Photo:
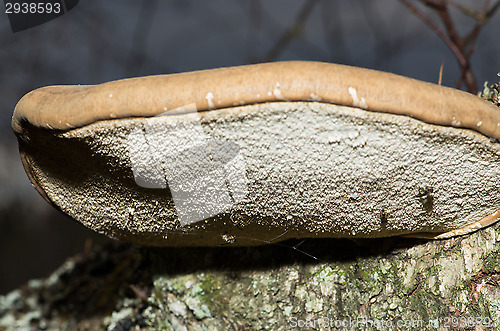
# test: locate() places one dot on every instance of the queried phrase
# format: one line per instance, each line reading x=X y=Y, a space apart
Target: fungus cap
x=244 y=155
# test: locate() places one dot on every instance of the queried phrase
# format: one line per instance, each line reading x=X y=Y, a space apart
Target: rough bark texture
x=382 y=284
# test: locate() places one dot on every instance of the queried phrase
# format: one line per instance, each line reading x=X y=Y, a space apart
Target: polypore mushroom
x=246 y=155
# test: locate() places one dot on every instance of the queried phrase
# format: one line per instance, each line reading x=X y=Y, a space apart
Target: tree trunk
x=384 y=284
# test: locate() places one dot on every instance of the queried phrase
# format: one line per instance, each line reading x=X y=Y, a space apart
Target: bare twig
x=451 y=39
x=462 y=47
x=440 y=80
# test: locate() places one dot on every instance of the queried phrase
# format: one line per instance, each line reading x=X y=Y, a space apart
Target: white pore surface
x=314 y=167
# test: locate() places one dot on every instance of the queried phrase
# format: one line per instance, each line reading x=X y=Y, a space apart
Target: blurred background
x=98 y=41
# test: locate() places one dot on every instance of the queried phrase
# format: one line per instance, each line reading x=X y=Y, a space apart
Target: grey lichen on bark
x=369 y=284
x=353 y=285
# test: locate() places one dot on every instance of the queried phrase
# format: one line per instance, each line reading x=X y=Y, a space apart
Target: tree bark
x=390 y=283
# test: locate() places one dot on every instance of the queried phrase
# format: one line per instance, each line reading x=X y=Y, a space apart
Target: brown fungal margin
x=68 y=107
x=60 y=109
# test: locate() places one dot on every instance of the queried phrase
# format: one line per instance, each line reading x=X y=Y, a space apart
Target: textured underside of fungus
x=252 y=154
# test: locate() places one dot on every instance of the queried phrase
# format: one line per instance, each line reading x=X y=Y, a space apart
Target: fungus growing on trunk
x=246 y=155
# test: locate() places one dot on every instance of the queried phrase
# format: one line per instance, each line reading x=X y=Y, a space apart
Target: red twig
x=462 y=47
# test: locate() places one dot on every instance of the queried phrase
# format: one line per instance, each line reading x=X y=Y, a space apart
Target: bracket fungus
x=252 y=154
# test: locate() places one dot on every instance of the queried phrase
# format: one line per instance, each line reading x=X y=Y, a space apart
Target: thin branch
x=436 y=29
x=493 y=9
x=440 y=80
x=451 y=38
